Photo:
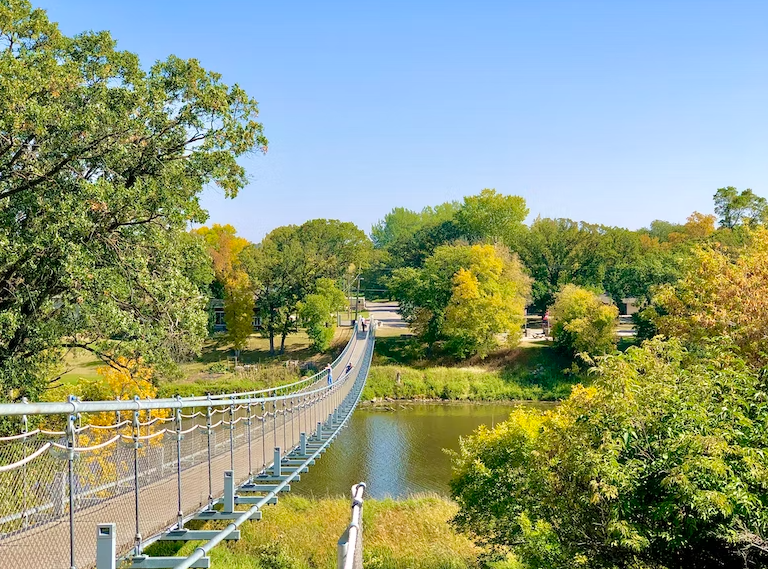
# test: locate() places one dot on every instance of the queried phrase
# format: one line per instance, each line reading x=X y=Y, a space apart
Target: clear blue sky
x=611 y=112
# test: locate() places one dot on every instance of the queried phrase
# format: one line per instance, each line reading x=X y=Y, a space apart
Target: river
x=397 y=452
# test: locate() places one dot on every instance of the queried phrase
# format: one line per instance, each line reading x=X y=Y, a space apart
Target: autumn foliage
x=721 y=296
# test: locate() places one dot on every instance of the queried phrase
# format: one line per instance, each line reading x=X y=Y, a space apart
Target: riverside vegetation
x=299 y=533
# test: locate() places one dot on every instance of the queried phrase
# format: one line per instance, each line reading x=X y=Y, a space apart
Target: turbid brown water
x=400 y=451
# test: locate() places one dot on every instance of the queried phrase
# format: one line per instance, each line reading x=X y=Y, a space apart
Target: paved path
x=387 y=314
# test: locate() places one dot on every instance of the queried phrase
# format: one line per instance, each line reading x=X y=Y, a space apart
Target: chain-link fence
x=151 y=467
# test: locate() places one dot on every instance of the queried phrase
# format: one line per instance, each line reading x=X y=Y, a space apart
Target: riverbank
x=533 y=372
x=301 y=533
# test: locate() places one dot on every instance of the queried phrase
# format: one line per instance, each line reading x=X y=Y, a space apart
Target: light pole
x=357 y=298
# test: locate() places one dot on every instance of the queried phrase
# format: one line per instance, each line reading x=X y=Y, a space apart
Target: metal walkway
x=116 y=476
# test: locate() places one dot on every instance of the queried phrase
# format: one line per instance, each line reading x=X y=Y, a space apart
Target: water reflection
x=397 y=452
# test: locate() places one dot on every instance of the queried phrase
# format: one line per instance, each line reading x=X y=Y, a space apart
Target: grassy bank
x=300 y=533
x=532 y=372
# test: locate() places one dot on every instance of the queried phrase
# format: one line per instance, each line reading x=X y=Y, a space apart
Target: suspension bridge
x=92 y=484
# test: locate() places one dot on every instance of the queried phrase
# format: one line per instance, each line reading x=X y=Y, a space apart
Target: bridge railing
x=350 y=545
x=145 y=465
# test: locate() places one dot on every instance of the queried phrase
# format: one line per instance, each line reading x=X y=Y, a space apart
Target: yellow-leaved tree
x=225 y=248
x=721 y=295
x=487 y=302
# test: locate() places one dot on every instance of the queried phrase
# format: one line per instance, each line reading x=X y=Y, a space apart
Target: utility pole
x=357 y=298
x=349 y=293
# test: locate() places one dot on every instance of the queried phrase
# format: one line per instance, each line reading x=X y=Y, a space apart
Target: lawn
x=213 y=372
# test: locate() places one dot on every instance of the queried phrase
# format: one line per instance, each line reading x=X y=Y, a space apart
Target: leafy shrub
x=218 y=367
x=663 y=463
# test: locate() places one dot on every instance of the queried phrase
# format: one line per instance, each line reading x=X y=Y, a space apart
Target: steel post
x=232 y=435
x=208 y=423
x=248 y=423
x=228 y=501
x=71 y=482
x=179 y=437
x=136 y=445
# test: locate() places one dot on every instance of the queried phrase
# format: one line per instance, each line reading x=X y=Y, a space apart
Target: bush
x=663 y=463
x=218 y=367
x=583 y=324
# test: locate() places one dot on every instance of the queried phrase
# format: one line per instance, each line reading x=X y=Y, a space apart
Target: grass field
x=213 y=372
x=300 y=533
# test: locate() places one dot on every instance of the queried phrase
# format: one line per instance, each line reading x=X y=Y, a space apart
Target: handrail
x=74 y=406
x=350 y=545
x=307 y=379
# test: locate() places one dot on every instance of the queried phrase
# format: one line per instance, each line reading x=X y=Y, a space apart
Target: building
x=216 y=309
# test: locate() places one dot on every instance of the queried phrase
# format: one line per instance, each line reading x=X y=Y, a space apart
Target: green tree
x=492 y=216
x=397 y=224
x=635 y=264
x=400 y=224
x=740 y=208
x=101 y=166
x=662 y=463
x=661 y=230
x=316 y=312
x=557 y=252
x=414 y=249
x=288 y=262
x=581 y=323
x=332 y=246
x=278 y=267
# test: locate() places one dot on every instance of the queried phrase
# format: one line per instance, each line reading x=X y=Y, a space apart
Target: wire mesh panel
x=146 y=469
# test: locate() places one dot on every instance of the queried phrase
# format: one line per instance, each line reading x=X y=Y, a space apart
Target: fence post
x=232 y=433
x=263 y=437
x=71 y=478
x=208 y=424
x=24 y=444
x=285 y=434
x=136 y=445
x=229 y=492
x=179 y=437
x=248 y=422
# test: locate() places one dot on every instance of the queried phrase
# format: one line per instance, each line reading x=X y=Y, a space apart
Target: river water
x=397 y=452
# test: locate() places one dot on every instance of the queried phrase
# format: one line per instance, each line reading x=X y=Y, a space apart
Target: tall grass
x=464 y=384
x=300 y=533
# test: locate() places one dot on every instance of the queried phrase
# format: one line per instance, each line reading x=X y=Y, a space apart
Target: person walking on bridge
x=329 y=371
